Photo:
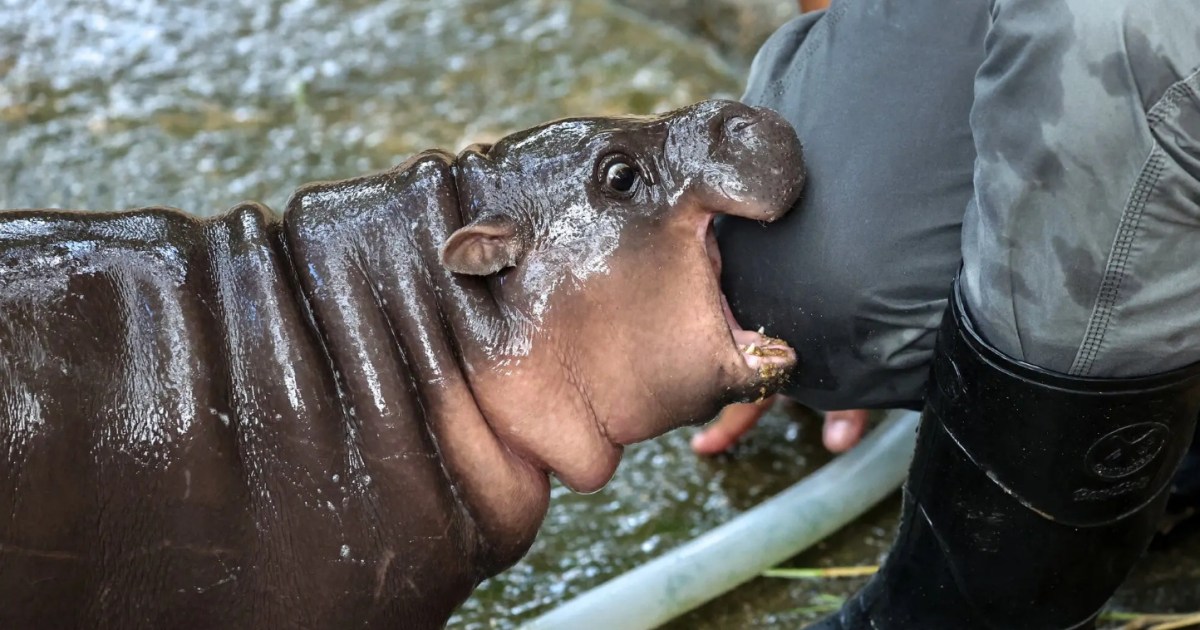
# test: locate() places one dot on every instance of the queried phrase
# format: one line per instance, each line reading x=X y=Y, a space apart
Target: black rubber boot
x=1182 y=519
x=1030 y=495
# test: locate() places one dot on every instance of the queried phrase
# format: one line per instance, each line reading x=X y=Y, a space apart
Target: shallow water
x=201 y=104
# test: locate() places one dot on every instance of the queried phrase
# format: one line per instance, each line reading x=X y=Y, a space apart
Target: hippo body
x=211 y=401
x=346 y=415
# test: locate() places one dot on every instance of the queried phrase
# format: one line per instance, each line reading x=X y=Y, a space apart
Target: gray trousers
x=1050 y=149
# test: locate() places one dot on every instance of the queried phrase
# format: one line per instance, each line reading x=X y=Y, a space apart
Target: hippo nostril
x=736 y=125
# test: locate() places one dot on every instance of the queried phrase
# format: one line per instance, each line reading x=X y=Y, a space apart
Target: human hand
x=842 y=429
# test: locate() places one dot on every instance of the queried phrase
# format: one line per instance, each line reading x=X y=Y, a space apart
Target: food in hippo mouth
x=771 y=357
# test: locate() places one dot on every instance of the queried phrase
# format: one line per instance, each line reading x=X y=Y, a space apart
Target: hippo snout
x=751 y=158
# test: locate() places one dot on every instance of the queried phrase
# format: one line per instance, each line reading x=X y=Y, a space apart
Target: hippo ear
x=483 y=246
x=481 y=148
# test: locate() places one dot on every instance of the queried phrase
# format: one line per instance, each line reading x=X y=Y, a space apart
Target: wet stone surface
x=661 y=497
x=120 y=103
x=735 y=28
x=199 y=105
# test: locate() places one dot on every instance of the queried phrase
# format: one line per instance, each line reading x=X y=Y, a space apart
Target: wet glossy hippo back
x=195 y=436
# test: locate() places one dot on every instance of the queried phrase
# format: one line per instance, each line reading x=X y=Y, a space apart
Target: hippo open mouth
x=594 y=238
x=770 y=358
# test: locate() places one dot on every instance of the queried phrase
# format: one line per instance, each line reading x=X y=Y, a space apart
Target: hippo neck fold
x=396 y=324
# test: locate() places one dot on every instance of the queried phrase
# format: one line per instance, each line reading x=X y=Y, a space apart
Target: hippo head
x=594 y=236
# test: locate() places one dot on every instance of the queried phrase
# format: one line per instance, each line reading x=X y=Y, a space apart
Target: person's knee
x=856 y=277
x=774 y=57
x=862 y=324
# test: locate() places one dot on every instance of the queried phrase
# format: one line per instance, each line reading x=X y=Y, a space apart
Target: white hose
x=741 y=549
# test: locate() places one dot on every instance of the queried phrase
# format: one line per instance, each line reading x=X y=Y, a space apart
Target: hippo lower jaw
x=767 y=359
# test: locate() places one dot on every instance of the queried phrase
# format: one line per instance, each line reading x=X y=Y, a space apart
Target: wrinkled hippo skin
x=346 y=415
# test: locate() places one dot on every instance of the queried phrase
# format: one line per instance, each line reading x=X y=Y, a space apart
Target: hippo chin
x=347 y=415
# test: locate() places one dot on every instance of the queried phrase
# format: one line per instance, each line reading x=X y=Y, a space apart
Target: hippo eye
x=620 y=177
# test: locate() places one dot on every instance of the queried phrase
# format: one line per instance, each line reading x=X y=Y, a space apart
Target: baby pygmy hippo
x=346 y=416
